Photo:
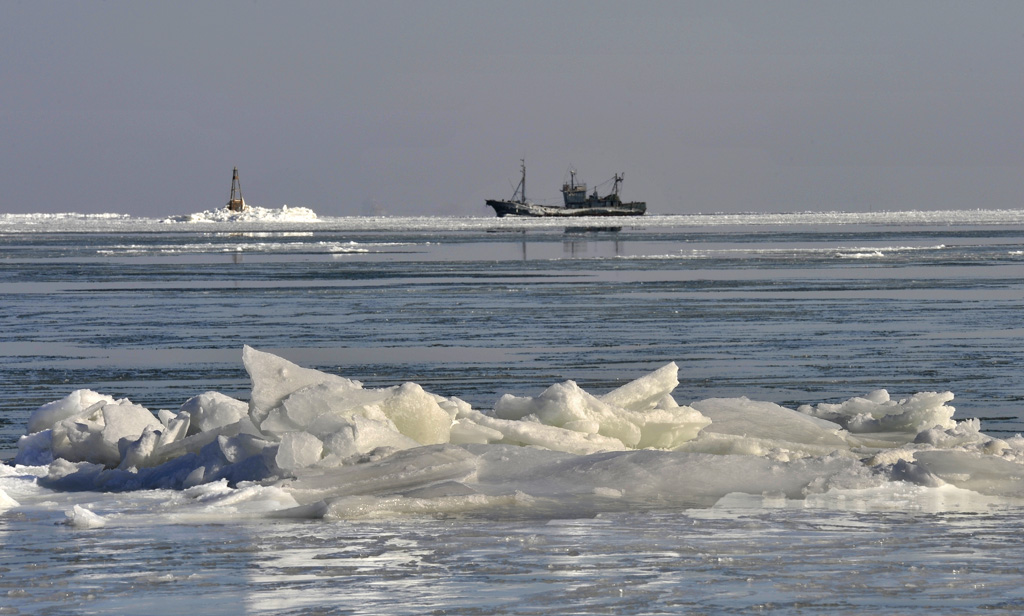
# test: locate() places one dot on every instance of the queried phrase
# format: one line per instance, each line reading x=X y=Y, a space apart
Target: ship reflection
x=576 y=240
x=590 y=230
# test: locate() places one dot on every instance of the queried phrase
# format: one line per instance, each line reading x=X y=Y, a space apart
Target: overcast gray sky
x=426 y=107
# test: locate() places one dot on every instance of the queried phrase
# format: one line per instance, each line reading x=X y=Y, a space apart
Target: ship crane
x=615 y=180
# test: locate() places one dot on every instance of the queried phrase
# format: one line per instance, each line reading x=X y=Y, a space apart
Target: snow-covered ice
x=252 y=213
x=48 y=222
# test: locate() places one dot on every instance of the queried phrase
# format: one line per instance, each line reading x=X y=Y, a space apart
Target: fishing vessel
x=576 y=201
x=235 y=202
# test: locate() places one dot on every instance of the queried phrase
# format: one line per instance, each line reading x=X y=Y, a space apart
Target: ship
x=576 y=201
x=235 y=202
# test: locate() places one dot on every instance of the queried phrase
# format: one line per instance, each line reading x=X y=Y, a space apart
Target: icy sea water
x=795 y=311
x=719 y=561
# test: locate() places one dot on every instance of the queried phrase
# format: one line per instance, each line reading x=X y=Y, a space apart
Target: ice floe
x=313 y=444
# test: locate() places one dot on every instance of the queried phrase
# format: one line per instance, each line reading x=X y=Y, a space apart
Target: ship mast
x=522 y=182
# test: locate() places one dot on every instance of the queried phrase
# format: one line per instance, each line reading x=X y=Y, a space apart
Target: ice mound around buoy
x=313 y=444
x=251 y=213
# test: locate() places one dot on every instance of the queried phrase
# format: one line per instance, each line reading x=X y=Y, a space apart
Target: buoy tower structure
x=235 y=202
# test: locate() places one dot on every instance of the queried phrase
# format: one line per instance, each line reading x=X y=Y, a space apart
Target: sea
x=795 y=310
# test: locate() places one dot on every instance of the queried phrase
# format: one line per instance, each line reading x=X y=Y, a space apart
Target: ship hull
x=518 y=208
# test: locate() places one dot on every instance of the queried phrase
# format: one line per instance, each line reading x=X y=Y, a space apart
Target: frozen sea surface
x=719 y=561
x=799 y=311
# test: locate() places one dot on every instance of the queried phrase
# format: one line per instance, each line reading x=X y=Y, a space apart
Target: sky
x=426 y=107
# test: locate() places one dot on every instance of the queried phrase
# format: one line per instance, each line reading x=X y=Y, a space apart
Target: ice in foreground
x=312 y=444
